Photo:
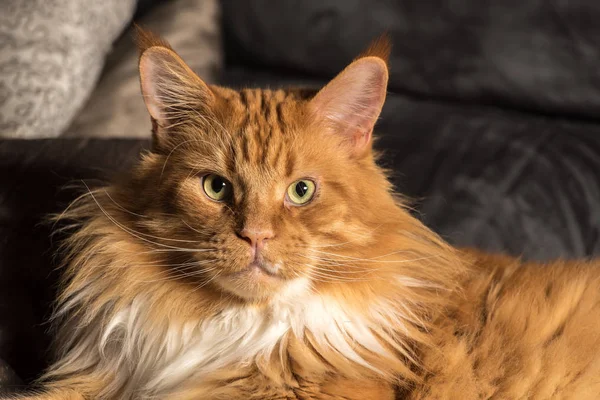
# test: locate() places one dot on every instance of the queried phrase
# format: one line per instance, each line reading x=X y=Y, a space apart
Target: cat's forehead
x=265 y=108
x=263 y=126
x=263 y=114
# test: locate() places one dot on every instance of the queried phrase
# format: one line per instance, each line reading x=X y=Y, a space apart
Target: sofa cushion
x=116 y=107
x=9 y=381
x=527 y=54
x=51 y=53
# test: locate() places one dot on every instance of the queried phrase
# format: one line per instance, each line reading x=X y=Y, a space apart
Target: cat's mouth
x=256 y=268
x=258 y=279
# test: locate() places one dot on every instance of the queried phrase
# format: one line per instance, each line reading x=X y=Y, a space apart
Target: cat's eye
x=216 y=187
x=301 y=192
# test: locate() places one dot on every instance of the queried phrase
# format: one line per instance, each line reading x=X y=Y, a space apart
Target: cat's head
x=268 y=190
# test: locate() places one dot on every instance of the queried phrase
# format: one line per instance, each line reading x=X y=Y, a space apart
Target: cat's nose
x=255 y=237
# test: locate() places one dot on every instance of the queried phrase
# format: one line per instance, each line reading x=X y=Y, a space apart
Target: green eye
x=216 y=187
x=301 y=192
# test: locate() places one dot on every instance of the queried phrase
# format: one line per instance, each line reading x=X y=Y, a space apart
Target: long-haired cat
x=259 y=252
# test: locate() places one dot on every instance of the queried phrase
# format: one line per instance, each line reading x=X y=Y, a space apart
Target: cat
x=258 y=251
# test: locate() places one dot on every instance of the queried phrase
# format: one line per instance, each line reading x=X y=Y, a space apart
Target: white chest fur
x=161 y=358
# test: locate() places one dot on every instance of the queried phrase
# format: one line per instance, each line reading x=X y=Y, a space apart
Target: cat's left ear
x=172 y=91
x=350 y=104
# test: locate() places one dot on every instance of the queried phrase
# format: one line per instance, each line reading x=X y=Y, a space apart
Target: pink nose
x=256 y=238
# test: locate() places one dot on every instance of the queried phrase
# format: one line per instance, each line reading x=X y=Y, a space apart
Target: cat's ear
x=351 y=103
x=171 y=90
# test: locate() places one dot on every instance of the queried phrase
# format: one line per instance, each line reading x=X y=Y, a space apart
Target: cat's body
x=259 y=253
x=521 y=331
x=516 y=331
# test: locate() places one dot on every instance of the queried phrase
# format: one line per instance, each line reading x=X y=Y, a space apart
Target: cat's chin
x=253 y=282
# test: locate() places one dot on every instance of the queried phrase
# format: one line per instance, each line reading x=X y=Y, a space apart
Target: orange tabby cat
x=258 y=252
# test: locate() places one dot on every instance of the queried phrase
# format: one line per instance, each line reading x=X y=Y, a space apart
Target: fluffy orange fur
x=352 y=297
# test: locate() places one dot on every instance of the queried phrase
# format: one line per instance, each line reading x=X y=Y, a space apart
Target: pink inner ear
x=352 y=101
x=169 y=85
x=148 y=76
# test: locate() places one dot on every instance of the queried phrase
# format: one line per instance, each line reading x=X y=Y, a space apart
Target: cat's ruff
x=239 y=335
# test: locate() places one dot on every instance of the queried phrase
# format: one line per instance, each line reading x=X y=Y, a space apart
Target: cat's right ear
x=350 y=104
x=172 y=91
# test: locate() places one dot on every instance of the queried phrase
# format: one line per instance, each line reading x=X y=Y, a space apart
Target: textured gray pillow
x=51 y=53
x=116 y=108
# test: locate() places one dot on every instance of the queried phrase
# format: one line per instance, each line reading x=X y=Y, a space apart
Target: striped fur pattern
x=357 y=299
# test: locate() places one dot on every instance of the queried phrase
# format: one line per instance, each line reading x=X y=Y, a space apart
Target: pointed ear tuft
x=144 y=39
x=172 y=91
x=350 y=104
x=381 y=47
